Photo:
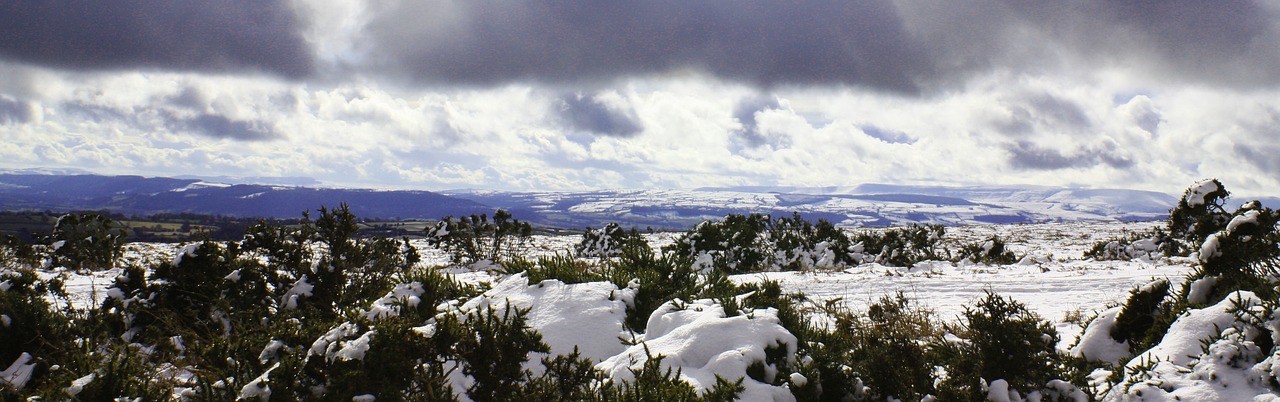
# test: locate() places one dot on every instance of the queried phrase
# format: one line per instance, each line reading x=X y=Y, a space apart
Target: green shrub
x=608 y=241
x=656 y=279
x=991 y=251
x=1144 y=319
x=800 y=244
x=1002 y=340
x=1148 y=245
x=493 y=347
x=902 y=247
x=474 y=238
x=734 y=245
x=564 y=268
x=86 y=241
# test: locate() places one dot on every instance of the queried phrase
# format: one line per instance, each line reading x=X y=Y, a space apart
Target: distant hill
x=859 y=205
x=864 y=205
x=138 y=195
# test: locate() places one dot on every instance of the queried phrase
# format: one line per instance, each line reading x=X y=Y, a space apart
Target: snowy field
x=1053 y=278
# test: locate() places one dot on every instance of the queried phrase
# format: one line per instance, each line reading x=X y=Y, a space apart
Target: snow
x=1210 y=249
x=407 y=294
x=299 y=289
x=354 y=349
x=1200 y=289
x=1182 y=342
x=586 y=315
x=1200 y=190
x=19 y=372
x=700 y=340
x=258 y=388
x=188 y=250
x=1247 y=218
x=78 y=384
x=1097 y=345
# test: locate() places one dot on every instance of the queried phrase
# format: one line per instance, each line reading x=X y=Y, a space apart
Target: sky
x=568 y=95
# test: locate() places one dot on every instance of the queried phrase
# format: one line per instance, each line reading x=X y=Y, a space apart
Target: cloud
x=217 y=126
x=598 y=114
x=1027 y=155
x=888 y=136
x=213 y=35
x=13 y=111
x=762 y=42
x=746 y=112
x=1224 y=43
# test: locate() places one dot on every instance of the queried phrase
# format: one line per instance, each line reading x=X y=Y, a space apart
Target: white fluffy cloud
x=981 y=104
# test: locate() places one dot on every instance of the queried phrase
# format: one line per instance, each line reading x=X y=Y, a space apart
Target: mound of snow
x=586 y=315
x=1097 y=345
x=1182 y=368
x=702 y=342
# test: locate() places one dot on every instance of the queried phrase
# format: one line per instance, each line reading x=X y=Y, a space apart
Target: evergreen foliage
x=608 y=241
x=1002 y=340
x=475 y=238
x=86 y=241
x=991 y=251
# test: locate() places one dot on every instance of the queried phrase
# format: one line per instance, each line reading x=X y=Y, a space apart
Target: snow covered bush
x=16 y=254
x=475 y=238
x=1144 y=317
x=754 y=243
x=86 y=241
x=736 y=244
x=1200 y=211
x=990 y=251
x=31 y=328
x=608 y=241
x=902 y=247
x=802 y=245
x=1148 y=246
x=998 y=339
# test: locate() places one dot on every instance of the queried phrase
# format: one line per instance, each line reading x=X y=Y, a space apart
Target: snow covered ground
x=1053 y=278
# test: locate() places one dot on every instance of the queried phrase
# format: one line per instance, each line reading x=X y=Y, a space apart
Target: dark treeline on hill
x=31 y=226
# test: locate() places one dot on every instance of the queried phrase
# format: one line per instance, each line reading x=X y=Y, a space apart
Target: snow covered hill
x=865 y=205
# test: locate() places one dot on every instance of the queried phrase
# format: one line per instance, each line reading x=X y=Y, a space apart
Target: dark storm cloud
x=1037 y=112
x=589 y=113
x=758 y=41
x=1228 y=42
x=1027 y=155
x=746 y=111
x=1261 y=148
x=904 y=45
x=206 y=35
x=14 y=111
x=217 y=126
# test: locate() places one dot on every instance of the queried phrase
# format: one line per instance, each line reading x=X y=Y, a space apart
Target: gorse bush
x=1144 y=317
x=1003 y=340
x=86 y=241
x=475 y=238
x=902 y=247
x=990 y=251
x=608 y=241
x=735 y=244
x=1148 y=245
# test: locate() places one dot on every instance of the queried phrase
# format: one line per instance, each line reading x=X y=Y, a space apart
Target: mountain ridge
x=855 y=205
